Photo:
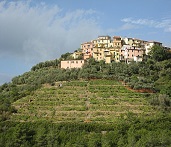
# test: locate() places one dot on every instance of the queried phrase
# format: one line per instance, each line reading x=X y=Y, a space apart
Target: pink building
x=87 y=49
x=68 y=64
x=129 y=53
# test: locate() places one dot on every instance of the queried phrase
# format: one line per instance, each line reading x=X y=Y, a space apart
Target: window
x=67 y=61
x=132 y=55
x=81 y=61
x=132 y=50
x=72 y=61
x=128 y=54
x=77 y=62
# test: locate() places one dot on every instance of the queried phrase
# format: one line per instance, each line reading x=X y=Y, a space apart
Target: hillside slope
x=82 y=101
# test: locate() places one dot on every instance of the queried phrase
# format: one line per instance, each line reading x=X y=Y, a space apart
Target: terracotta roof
x=116 y=37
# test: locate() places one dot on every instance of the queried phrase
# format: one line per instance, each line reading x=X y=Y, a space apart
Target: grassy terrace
x=82 y=101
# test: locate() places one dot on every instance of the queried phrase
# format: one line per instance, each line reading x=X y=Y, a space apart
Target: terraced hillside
x=81 y=101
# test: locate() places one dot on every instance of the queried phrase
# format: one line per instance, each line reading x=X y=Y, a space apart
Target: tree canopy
x=158 y=53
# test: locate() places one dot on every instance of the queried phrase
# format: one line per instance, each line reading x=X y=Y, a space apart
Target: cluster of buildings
x=111 y=49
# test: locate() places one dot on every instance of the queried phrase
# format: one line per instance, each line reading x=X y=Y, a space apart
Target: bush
x=162 y=101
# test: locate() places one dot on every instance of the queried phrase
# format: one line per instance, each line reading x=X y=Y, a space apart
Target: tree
x=158 y=53
x=66 y=56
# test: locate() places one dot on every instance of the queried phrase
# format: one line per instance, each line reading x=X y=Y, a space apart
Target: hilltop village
x=111 y=49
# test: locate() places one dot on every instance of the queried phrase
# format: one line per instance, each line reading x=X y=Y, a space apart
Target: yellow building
x=117 y=45
x=100 y=48
x=107 y=49
x=77 y=54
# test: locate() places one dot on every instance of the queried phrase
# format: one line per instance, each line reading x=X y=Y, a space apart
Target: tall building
x=87 y=49
x=101 y=48
x=117 y=45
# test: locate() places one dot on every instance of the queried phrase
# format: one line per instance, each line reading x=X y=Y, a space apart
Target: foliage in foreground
x=128 y=132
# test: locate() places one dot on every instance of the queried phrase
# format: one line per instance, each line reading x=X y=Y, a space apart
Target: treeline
x=53 y=63
x=130 y=131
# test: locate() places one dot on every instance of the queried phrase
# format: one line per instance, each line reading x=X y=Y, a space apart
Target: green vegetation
x=101 y=104
x=130 y=131
x=101 y=101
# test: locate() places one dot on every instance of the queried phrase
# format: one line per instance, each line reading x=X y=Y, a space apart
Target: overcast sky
x=39 y=30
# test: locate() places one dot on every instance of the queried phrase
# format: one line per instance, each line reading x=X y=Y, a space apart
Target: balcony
x=96 y=52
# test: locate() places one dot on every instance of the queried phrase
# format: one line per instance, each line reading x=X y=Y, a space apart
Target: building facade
x=68 y=64
x=129 y=53
x=87 y=50
x=77 y=54
x=117 y=45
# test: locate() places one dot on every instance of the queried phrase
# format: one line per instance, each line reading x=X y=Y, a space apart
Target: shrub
x=162 y=100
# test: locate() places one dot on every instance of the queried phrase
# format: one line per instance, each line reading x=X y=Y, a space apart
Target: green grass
x=82 y=101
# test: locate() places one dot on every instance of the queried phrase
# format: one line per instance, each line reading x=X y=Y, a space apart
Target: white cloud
x=124 y=27
x=41 y=32
x=127 y=26
x=164 y=23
